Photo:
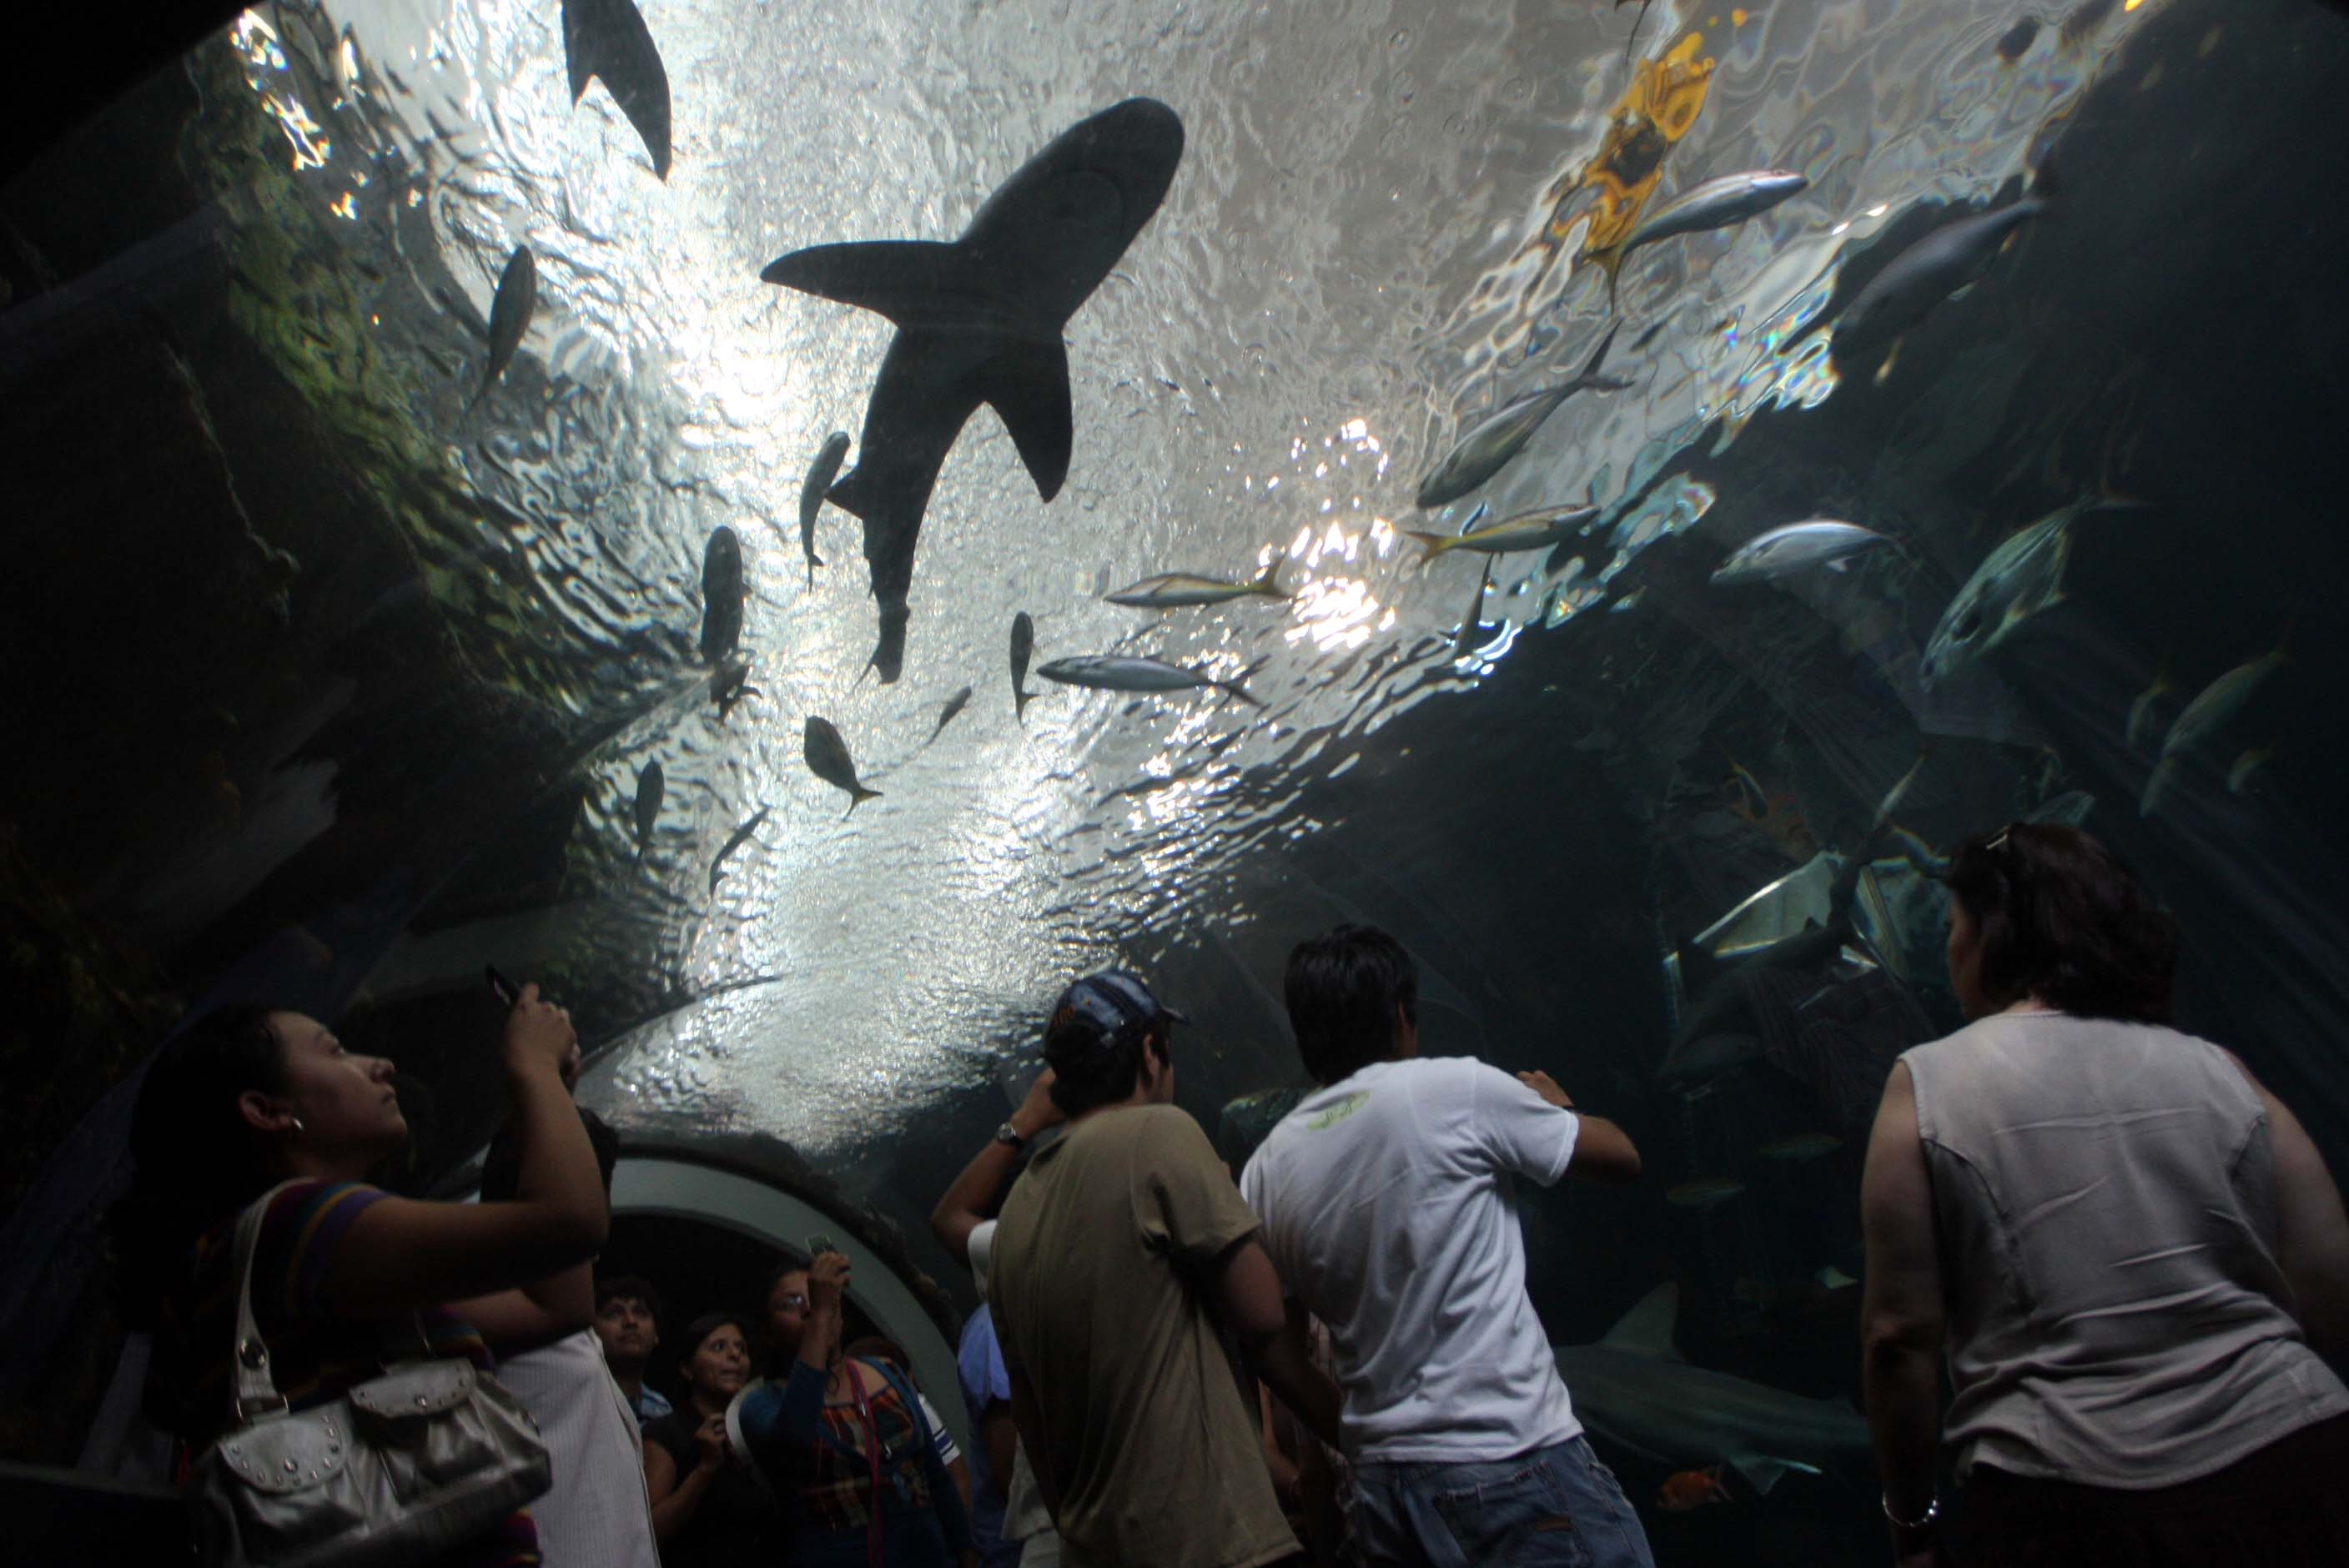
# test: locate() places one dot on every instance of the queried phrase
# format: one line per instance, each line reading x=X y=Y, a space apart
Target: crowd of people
x=2126 y=1252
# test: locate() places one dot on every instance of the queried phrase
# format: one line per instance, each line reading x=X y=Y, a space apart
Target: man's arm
x=1272 y=1336
x=1903 y=1323
x=965 y=1205
x=1602 y=1150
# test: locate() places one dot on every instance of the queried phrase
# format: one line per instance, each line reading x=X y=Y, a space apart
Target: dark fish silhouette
x=819 y=479
x=741 y=836
x=516 y=297
x=721 y=595
x=979 y=321
x=828 y=759
x=609 y=39
x=1929 y=272
x=728 y=685
x=1023 y=642
x=955 y=705
x=2016 y=40
x=651 y=784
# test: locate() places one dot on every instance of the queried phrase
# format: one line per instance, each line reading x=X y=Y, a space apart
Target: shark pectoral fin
x=1761 y=1472
x=904 y=280
x=1027 y=385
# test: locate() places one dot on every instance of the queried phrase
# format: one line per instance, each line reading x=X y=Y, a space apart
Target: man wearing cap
x=1387 y=1204
x=1122 y=1260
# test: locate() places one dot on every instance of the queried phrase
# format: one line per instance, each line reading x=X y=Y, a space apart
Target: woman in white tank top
x=2123 y=1245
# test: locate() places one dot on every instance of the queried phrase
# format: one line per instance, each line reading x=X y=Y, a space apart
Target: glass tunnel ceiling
x=1382 y=228
x=1375 y=231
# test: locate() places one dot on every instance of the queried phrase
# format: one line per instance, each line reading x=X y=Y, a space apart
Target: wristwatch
x=1009 y=1136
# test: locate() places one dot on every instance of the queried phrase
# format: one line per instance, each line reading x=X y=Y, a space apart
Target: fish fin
x=1647 y=1328
x=1019 y=701
x=1590 y=376
x=1610 y=263
x=1268 y=582
x=1761 y=1472
x=1840 y=563
x=901 y=279
x=860 y=794
x=2047 y=182
x=1891 y=357
x=609 y=39
x=1027 y=385
x=1435 y=544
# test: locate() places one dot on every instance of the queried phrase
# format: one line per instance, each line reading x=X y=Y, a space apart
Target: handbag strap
x=250 y=1384
x=874 y=1533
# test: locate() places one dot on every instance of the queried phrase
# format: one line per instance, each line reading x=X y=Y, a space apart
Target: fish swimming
x=2218 y=702
x=1691 y=1490
x=721 y=595
x=955 y=705
x=819 y=479
x=1023 y=642
x=741 y=836
x=1716 y=204
x=651 y=784
x=1180 y=590
x=980 y=320
x=609 y=39
x=728 y=685
x=2249 y=762
x=2021 y=577
x=1796 y=547
x=1489 y=447
x=1536 y=529
x=1633 y=1389
x=1929 y=272
x=510 y=313
x=1117 y=672
x=2140 y=713
x=827 y=757
x=1704 y=1192
x=1475 y=621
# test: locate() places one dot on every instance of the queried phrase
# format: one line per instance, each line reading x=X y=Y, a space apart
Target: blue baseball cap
x=1113 y=1002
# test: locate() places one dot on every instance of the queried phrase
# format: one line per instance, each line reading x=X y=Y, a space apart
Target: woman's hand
x=710 y=1439
x=538 y=1034
x=827 y=1281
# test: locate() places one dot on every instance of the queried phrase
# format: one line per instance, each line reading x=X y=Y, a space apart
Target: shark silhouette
x=979 y=321
x=1632 y=1390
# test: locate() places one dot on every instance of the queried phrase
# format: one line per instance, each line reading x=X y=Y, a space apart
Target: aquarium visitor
x=2129 y=1250
x=708 y=1510
x=1385 y=1206
x=1125 y=1266
x=627 y=1320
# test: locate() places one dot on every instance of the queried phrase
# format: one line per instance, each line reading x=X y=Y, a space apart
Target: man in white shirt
x=1389 y=1210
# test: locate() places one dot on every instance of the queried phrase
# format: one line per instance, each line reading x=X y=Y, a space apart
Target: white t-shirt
x=1387 y=1210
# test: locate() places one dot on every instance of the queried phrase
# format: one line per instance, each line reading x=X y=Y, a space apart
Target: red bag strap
x=874 y=1535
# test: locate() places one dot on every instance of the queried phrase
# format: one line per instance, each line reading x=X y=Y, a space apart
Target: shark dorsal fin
x=1647 y=1328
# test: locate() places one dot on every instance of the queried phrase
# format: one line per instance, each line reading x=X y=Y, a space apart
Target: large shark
x=979 y=321
x=1633 y=1390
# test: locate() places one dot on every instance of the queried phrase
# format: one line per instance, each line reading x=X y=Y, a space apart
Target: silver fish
x=1539 y=529
x=2021 y=577
x=1796 y=547
x=651 y=784
x=1181 y=589
x=820 y=475
x=1118 y=672
x=2209 y=712
x=827 y=757
x=1929 y=272
x=741 y=836
x=1714 y=203
x=955 y=705
x=1023 y=642
x=1488 y=449
x=2140 y=714
x=510 y=313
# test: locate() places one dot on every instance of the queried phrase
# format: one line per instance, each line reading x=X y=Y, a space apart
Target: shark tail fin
x=1647 y=1328
x=1435 y=544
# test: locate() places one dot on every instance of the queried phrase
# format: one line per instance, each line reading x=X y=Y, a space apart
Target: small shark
x=1023 y=643
x=819 y=479
x=979 y=321
x=608 y=38
x=1632 y=1390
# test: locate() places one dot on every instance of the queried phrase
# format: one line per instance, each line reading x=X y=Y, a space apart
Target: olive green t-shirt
x=1104 y=1267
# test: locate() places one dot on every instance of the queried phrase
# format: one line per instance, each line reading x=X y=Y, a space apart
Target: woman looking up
x=707 y=1508
x=845 y=1441
x=2124 y=1243
x=345 y=1277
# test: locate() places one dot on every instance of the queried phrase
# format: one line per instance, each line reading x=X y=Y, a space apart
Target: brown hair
x=2062 y=919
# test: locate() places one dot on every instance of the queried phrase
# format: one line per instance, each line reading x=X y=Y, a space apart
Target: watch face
x=1006 y=1133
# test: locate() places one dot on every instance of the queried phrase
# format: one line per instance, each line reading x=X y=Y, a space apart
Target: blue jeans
x=1552 y=1507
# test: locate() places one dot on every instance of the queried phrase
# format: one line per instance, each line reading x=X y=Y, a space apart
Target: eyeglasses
x=791 y=1303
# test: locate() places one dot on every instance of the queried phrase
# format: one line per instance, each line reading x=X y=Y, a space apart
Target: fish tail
x=1435 y=544
x=1241 y=691
x=858 y=794
x=1598 y=357
x=1268 y=582
x=1609 y=261
x=1019 y=701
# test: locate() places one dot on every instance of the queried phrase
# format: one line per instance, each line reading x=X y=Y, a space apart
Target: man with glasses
x=1122 y=1260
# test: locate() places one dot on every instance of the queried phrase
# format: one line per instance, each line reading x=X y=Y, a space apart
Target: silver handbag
x=396 y=1471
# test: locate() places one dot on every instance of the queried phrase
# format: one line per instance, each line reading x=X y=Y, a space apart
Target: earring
x=298 y=1128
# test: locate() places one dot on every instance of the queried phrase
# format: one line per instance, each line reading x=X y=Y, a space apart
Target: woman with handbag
x=337 y=1410
x=846 y=1442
